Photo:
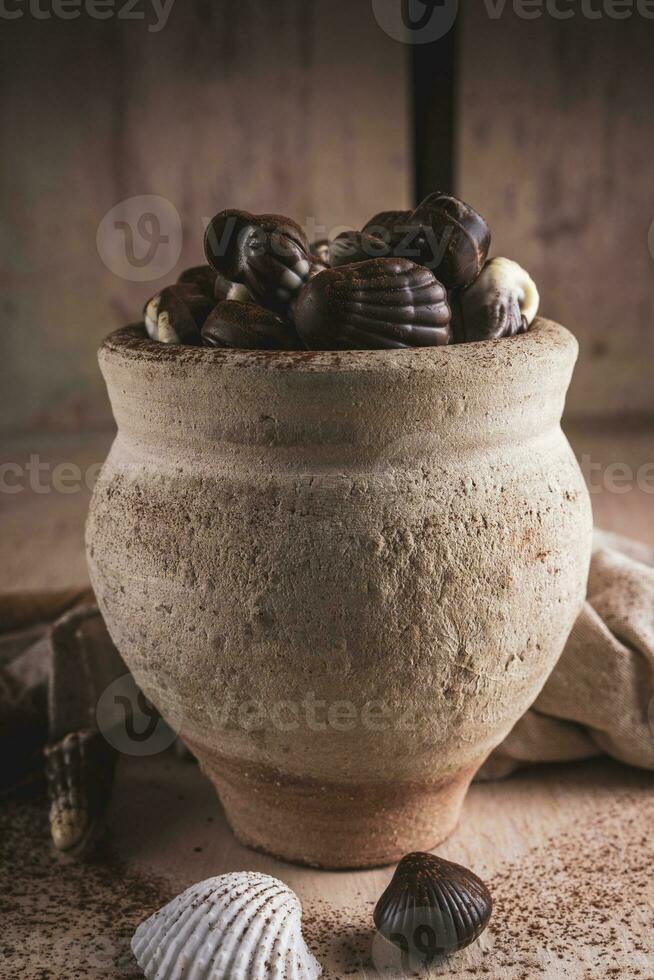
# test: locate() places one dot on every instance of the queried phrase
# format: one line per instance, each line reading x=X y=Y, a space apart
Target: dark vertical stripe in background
x=434 y=68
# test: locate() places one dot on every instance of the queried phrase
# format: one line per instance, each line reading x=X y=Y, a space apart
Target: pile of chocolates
x=408 y=279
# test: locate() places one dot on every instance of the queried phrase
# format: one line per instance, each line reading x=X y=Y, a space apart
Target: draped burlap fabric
x=600 y=696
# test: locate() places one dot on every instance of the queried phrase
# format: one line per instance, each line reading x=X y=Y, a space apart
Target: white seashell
x=240 y=926
x=501 y=302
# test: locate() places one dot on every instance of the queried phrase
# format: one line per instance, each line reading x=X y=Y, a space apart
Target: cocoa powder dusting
x=577 y=907
x=64 y=921
x=581 y=905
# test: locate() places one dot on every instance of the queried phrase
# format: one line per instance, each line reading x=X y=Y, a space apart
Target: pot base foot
x=334 y=825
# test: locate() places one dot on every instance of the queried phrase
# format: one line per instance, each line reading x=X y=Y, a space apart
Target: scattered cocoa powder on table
x=577 y=907
x=65 y=921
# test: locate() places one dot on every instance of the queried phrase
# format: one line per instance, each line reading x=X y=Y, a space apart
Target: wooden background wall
x=556 y=148
x=304 y=106
x=292 y=106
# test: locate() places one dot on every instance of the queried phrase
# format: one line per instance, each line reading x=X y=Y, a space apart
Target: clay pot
x=343 y=576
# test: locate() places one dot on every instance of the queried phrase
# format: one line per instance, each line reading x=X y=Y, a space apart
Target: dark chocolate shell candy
x=380 y=303
x=268 y=253
x=176 y=314
x=202 y=276
x=450 y=238
x=79 y=772
x=223 y=242
x=432 y=907
x=356 y=246
x=247 y=326
x=390 y=226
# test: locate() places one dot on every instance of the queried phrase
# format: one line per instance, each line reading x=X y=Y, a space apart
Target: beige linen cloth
x=600 y=696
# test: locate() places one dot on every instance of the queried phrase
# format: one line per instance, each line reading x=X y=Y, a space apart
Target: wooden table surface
x=568 y=850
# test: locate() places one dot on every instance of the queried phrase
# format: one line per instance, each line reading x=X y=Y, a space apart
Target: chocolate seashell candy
x=432 y=907
x=375 y=304
x=356 y=246
x=502 y=302
x=268 y=253
x=201 y=276
x=391 y=226
x=176 y=314
x=450 y=238
x=249 y=327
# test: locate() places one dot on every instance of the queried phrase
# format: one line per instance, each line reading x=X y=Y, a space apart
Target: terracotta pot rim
x=132 y=343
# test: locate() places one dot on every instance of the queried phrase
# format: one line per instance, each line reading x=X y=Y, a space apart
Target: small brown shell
x=79 y=771
x=374 y=304
x=268 y=253
x=432 y=907
x=248 y=326
x=176 y=314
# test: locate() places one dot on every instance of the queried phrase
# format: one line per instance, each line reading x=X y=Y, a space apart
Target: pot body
x=341 y=576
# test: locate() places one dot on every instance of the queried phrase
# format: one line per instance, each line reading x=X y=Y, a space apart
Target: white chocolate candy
x=151 y=317
x=240 y=926
x=176 y=314
x=503 y=301
x=239 y=293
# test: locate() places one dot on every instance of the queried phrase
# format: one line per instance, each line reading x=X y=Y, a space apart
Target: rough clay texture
x=342 y=576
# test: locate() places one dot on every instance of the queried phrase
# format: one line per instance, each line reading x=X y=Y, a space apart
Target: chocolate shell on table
x=380 y=303
x=502 y=302
x=268 y=253
x=176 y=314
x=239 y=926
x=247 y=326
x=432 y=907
x=450 y=238
x=79 y=772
